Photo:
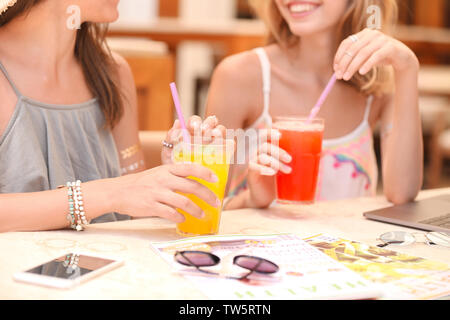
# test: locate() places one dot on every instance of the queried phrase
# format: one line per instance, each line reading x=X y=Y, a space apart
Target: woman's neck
x=46 y=43
x=314 y=54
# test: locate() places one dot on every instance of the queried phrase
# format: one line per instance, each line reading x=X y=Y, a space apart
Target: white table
x=146 y=276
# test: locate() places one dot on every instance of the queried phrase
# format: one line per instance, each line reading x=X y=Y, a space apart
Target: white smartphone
x=68 y=270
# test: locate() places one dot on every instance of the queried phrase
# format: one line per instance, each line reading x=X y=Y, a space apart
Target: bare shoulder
x=126 y=129
x=242 y=67
x=126 y=82
x=123 y=70
x=236 y=89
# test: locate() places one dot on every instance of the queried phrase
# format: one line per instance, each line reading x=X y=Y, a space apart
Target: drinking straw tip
x=176 y=101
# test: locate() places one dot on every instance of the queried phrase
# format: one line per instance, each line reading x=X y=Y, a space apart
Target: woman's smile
x=301 y=9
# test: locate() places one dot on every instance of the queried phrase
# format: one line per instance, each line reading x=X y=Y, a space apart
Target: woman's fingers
x=375 y=59
x=209 y=124
x=190 y=186
x=219 y=132
x=352 y=42
x=194 y=125
x=361 y=58
x=352 y=52
x=185 y=170
x=263 y=170
x=275 y=152
x=167 y=212
x=273 y=163
x=270 y=158
x=207 y=129
x=268 y=165
x=174 y=133
x=268 y=135
x=182 y=202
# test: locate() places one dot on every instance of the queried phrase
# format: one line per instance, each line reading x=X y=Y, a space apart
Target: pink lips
x=301 y=9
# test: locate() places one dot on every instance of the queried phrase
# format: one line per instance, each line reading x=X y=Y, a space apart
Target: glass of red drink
x=302 y=139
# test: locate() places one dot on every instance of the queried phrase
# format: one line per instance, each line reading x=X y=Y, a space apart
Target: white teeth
x=300 y=8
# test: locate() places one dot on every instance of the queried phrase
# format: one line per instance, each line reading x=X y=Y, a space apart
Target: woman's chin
x=107 y=18
x=113 y=17
x=306 y=29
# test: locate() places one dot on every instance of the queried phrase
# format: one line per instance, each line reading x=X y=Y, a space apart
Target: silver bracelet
x=71 y=215
x=77 y=214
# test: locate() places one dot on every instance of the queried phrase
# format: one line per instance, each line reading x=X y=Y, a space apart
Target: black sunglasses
x=199 y=259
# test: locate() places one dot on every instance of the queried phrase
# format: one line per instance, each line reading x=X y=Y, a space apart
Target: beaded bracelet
x=76 y=215
x=79 y=205
x=71 y=214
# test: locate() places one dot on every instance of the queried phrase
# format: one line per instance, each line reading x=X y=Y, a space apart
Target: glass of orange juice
x=217 y=157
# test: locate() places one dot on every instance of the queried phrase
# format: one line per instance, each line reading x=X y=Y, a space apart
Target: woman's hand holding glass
x=207 y=129
x=154 y=192
x=268 y=160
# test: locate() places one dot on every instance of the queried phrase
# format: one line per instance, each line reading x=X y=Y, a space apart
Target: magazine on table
x=305 y=272
x=401 y=276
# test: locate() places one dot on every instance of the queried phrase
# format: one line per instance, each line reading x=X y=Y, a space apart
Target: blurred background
x=183 y=41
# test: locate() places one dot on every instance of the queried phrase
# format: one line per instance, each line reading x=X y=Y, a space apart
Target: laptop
x=431 y=214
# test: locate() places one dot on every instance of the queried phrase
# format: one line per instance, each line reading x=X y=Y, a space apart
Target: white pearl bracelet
x=78 y=205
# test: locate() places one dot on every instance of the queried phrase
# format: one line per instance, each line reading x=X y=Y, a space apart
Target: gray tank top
x=45 y=146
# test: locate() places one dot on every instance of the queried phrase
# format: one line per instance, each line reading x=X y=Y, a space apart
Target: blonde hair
x=379 y=80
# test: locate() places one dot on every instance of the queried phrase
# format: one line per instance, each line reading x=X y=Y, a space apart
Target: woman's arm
x=402 y=142
x=47 y=210
x=126 y=132
x=148 y=193
x=236 y=98
x=139 y=193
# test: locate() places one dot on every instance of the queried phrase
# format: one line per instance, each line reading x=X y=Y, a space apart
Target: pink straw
x=176 y=101
x=322 y=98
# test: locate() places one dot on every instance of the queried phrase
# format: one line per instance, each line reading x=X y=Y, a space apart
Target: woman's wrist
x=410 y=67
x=100 y=197
x=250 y=201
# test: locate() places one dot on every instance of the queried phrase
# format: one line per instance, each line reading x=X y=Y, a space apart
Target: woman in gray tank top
x=68 y=113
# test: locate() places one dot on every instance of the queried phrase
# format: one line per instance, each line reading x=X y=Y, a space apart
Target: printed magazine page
x=401 y=276
x=304 y=271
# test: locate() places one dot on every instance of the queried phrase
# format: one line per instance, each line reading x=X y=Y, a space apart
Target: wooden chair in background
x=151 y=142
x=153 y=67
x=435 y=113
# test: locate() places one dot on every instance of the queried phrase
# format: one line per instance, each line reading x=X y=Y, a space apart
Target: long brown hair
x=98 y=65
x=354 y=19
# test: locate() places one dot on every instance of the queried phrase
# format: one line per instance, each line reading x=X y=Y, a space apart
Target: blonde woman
x=309 y=41
x=68 y=113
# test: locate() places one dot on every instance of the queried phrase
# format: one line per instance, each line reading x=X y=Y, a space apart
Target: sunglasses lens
x=397 y=237
x=439 y=238
x=256 y=264
x=197 y=258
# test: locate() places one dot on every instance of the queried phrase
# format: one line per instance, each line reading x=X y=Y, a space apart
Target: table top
x=146 y=276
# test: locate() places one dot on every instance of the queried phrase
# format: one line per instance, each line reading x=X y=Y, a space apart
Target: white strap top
x=46 y=145
x=348 y=167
